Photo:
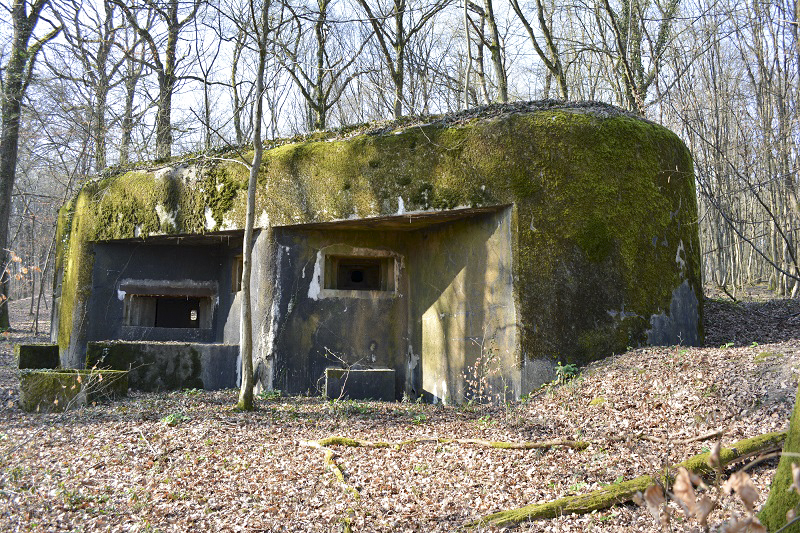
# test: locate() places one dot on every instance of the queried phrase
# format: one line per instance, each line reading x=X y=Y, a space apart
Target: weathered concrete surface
x=464 y=312
x=319 y=328
x=123 y=268
x=360 y=384
x=169 y=365
x=676 y=326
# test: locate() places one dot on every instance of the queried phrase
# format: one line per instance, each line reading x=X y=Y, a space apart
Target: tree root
x=624 y=491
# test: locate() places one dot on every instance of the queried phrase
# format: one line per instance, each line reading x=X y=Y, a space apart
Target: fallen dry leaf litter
x=121 y=467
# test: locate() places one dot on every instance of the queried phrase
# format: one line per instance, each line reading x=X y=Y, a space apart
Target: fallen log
x=624 y=491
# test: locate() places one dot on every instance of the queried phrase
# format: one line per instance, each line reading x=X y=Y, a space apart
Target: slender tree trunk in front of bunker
x=246 y=341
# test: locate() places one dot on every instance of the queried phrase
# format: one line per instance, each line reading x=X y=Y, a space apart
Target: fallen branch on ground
x=330 y=455
x=330 y=462
x=624 y=491
x=705 y=436
x=528 y=445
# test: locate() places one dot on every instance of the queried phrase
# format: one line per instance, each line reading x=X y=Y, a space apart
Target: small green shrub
x=175 y=419
x=269 y=395
x=565 y=373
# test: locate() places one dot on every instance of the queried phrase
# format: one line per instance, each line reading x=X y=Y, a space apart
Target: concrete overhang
x=230 y=237
x=404 y=222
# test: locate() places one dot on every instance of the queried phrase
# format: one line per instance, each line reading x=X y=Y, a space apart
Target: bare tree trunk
x=398 y=72
x=17 y=76
x=132 y=76
x=42 y=284
x=207 y=116
x=237 y=104
x=468 y=70
x=127 y=121
x=166 y=69
x=495 y=49
x=32 y=262
x=246 y=340
x=551 y=58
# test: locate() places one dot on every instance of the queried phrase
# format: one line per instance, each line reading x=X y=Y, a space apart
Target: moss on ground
x=58 y=390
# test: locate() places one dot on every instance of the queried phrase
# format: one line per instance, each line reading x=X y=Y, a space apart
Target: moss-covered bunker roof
x=389 y=127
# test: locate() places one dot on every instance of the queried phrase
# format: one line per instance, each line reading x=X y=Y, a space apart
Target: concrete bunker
x=466 y=256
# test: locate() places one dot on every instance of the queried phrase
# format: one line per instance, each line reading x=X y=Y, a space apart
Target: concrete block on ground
x=58 y=390
x=360 y=384
x=158 y=366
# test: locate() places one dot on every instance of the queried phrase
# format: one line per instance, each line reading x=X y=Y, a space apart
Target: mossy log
x=780 y=500
x=624 y=491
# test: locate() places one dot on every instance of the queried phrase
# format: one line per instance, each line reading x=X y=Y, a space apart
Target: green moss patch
x=763 y=356
x=59 y=390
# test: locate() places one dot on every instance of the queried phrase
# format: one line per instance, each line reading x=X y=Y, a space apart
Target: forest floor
x=122 y=467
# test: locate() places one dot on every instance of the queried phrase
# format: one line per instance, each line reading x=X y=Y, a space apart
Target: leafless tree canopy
x=91 y=84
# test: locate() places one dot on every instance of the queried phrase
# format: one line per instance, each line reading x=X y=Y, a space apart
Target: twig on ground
x=705 y=436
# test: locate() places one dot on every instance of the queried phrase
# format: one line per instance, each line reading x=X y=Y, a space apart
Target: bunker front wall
x=605 y=253
x=448 y=318
x=153 y=269
x=317 y=327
